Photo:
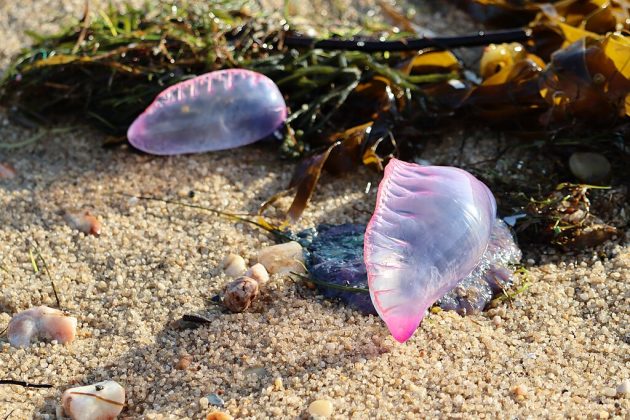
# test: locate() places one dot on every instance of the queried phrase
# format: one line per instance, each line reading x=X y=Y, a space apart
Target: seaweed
x=564 y=218
x=357 y=97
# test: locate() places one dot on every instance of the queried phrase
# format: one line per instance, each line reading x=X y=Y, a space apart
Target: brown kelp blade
x=593 y=15
x=588 y=82
x=370 y=144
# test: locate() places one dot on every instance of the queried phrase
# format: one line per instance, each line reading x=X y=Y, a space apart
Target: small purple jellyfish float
x=215 y=111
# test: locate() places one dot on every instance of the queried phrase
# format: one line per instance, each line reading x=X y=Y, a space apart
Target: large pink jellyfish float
x=429 y=231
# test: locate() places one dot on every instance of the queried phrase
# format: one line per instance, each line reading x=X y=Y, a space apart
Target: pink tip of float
x=402 y=327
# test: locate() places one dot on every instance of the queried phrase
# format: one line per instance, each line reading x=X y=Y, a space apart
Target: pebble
x=589 y=167
x=496 y=320
x=520 y=391
x=240 y=294
x=259 y=273
x=218 y=415
x=623 y=389
x=284 y=258
x=103 y=400
x=183 y=363
x=214 y=399
x=83 y=221
x=7 y=171
x=233 y=265
x=320 y=408
x=277 y=384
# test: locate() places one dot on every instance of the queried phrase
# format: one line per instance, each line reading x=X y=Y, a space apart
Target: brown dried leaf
x=588 y=82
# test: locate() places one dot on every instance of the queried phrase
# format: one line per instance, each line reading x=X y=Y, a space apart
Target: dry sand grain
x=559 y=350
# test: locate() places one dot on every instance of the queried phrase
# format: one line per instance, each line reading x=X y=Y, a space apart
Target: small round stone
x=233 y=265
x=520 y=391
x=283 y=258
x=320 y=408
x=259 y=273
x=589 y=167
x=183 y=363
x=623 y=389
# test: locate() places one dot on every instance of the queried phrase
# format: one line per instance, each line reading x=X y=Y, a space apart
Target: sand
x=559 y=350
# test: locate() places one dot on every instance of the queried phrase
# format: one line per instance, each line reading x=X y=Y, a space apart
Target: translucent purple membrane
x=430 y=229
x=215 y=111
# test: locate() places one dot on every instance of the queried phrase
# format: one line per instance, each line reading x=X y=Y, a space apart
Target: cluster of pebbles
x=105 y=400
x=276 y=259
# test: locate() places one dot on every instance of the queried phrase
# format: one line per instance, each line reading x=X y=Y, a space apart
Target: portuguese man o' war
x=215 y=111
x=429 y=231
x=335 y=258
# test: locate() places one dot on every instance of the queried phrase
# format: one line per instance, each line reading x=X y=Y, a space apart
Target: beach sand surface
x=560 y=349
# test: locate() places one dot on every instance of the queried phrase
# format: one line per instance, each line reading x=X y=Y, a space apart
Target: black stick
x=198 y=319
x=445 y=42
x=23 y=383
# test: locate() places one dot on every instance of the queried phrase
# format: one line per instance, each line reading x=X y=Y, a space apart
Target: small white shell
x=233 y=265
x=259 y=273
x=101 y=401
x=41 y=322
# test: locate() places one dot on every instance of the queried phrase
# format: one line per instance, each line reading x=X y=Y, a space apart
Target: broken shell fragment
x=41 y=322
x=283 y=258
x=233 y=265
x=7 y=171
x=215 y=111
x=83 y=221
x=259 y=273
x=219 y=415
x=101 y=401
x=240 y=294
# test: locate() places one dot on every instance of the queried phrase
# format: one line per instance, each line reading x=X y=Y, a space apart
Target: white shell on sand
x=233 y=265
x=101 y=401
x=283 y=258
x=41 y=322
x=259 y=273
